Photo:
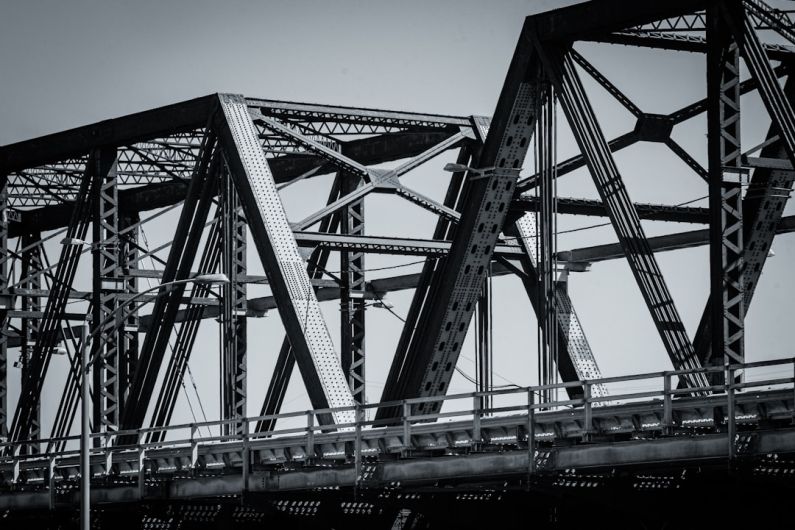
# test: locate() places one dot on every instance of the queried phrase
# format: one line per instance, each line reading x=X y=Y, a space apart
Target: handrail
x=587 y=402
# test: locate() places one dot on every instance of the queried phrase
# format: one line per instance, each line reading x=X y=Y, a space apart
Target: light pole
x=85 y=363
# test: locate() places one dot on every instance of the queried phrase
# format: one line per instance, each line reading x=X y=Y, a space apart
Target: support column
x=128 y=333
x=352 y=302
x=547 y=262
x=31 y=280
x=484 y=359
x=233 y=318
x=5 y=302
x=725 y=193
x=109 y=282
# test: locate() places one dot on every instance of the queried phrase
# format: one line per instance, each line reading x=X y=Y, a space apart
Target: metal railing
x=523 y=407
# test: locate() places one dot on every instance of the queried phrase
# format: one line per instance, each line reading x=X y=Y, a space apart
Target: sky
x=67 y=64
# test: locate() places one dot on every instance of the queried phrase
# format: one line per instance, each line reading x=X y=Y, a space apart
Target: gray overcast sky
x=65 y=64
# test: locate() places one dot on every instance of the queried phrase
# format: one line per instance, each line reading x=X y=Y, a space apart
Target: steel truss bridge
x=575 y=447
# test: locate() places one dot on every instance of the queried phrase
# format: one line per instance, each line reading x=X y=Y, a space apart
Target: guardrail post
x=15 y=471
x=588 y=413
x=194 y=446
x=793 y=392
x=108 y=461
x=477 y=438
x=246 y=454
x=310 y=434
x=668 y=415
x=531 y=433
x=357 y=446
x=141 y=472
x=51 y=481
x=406 y=426
x=730 y=411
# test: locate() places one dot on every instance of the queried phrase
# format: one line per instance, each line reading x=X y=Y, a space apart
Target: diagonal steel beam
x=30 y=392
x=426 y=367
x=201 y=189
x=298 y=305
x=384 y=179
x=588 y=134
x=285 y=362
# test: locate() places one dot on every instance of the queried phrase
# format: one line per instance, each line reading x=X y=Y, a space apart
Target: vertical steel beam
x=128 y=334
x=31 y=279
x=725 y=190
x=298 y=306
x=547 y=263
x=4 y=305
x=588 y=134
x=233 y=316
x=483 y=345
x=352 y=301
x=763 y=206
x=108 y=283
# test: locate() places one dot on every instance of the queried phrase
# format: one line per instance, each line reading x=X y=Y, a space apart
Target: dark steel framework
x=218 y=163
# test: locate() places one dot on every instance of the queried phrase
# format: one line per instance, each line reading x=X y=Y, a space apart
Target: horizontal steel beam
x=694 y=238
x=163 y=121
x=388 y=245
x=653 y=212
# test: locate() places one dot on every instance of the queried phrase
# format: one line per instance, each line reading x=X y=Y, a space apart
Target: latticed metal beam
x=725 y=188
x=107 y=283
x=5 y=305
x=352 y=301
x=30 y=329
x=233 y=318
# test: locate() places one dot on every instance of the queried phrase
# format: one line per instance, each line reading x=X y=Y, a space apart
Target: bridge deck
x=648 y=426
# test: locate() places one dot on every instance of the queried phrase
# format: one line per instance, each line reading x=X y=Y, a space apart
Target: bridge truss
x=218 y=165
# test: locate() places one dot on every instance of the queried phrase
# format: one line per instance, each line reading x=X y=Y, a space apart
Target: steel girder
x=5 y=305
x=107 y=283
x=422 y=282
x=299 y=308
x=30 y=328
x=560 y=66
x=233 y=318
x=352 y=301
x=725 y=189
x=764 y=202
x=285 y=362
x=653 y=212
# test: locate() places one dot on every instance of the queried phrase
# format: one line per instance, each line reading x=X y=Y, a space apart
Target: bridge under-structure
x=710 y=441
